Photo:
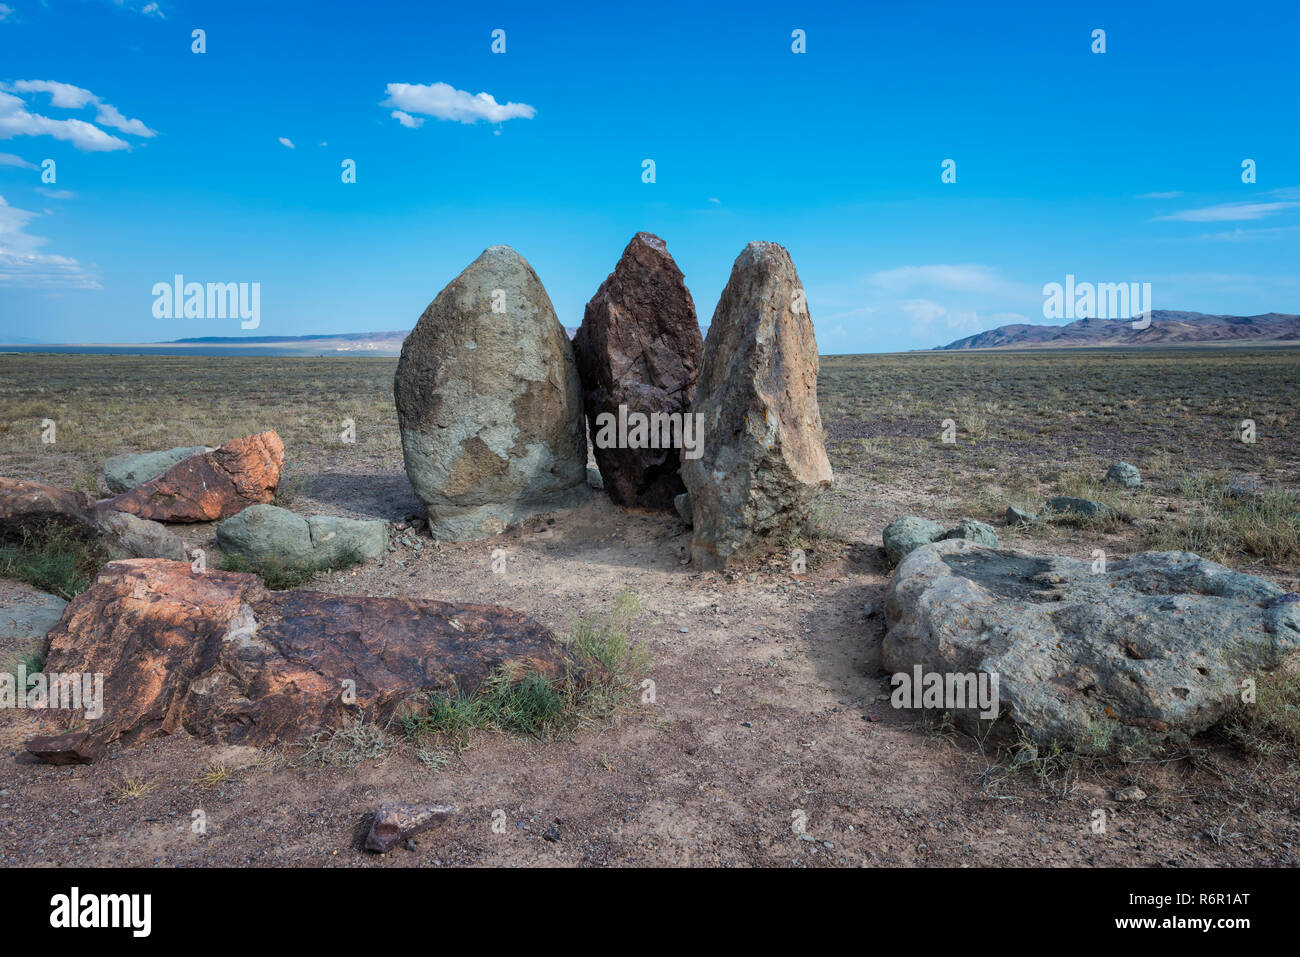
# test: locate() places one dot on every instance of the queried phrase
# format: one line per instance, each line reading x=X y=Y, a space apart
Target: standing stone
x=639 y=347
x=763 y=464
x=489 y=404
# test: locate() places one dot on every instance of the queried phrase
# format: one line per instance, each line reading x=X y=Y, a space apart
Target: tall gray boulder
x=489 y=404
x=763 y=464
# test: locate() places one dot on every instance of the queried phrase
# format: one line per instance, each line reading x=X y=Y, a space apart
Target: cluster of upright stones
x=490 y=397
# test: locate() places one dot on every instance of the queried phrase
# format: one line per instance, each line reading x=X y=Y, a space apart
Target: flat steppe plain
x=768 y=685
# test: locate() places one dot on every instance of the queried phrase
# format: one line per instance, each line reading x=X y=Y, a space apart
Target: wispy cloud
x=1172 y=194
x=1227 y=212
x=1239 y=235
x=65 y=96
x=23 y=264
x=6 y=12
x=444 y=102
x=9 y=159
x=964 y=278
x=16 y=119
x=285 y=141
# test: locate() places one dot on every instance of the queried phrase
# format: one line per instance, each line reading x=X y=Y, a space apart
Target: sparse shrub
x=1220 y=525
x=294 y=484
x=1272 y=723
x=352 y=742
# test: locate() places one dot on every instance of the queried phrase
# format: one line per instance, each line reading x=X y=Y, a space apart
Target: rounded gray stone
x=1122 y=473
x=903 y=535
x=489 y=404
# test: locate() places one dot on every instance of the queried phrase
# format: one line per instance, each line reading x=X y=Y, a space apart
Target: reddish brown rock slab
x=211 y=486
x=33 y=506
x=75 y=747
x=639 y=347
x=29 y=506
x=396 y=822
x=219 y=655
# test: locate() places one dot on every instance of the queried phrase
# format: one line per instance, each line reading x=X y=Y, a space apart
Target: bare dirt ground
x=768 y=687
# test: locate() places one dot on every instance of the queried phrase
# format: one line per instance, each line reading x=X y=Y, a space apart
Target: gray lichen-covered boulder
x=763 y=464
x=1019 y=516
x=124 y=535
x=1155 y=644
x=489 y=404
x=1083 y=507
x=124 y=472
x=27 y=615
x=904 y=535
x=973 y=531
x=268 y=534
x=1122 y=473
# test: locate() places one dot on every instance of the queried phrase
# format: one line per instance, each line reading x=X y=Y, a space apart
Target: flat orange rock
x=221 y=656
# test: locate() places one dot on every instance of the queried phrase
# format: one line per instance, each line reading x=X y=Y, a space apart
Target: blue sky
x=1118 y=166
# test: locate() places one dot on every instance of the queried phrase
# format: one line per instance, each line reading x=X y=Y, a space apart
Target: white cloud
x=65 y=96
x=17 y=120
x=444 y=102
x=55 y=193
x=1172 y=194
x=1225 y=212
x=6 y=12
x=285 y=141
x=9 y=159
x=22 y=263
x=153 y=10
x=968 y=278
x=407 y=120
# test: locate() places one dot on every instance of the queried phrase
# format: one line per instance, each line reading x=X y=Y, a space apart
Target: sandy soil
x=768 y=707
x=767 y=715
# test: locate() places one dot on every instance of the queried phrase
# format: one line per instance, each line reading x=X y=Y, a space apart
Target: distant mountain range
x=1167 y=328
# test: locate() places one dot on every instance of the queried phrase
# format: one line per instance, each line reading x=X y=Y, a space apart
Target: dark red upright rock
x=639 y=347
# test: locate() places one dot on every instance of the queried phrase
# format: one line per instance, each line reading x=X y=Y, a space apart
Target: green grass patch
x=54 y=559
x=604 y=666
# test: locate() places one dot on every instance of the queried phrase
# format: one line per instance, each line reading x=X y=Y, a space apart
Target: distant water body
x=196 y=350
